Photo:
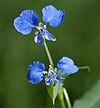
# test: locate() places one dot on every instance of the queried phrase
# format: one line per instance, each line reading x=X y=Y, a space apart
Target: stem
x=48 y=54
x=63 y=89
x=67 y=98
x=85 y=67
x=61 y=98
x=62 y=103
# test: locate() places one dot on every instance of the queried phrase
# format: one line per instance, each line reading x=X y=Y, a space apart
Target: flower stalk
x=48 y=54
x=85 y=67
x=63 y=89
x=67 y=98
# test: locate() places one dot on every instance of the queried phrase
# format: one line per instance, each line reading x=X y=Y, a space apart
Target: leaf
x=91 y=99
x=53 y=91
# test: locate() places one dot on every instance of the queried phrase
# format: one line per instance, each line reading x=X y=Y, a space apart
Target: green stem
x=63 y=89
x=61 y=98
x=67 y=98
x=85 y=67
x=48 y=54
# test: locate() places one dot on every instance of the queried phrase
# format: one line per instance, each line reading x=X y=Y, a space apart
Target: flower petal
x=66 y=65
x=49 y=36
x=27 y=20
x=35 y=70
x=39 y=38
x=53 y=78
x=21 y=26
x=52 y=16
x=30 y=16
x=48 y=81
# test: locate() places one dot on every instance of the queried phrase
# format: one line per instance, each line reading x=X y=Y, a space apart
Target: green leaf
x=54 y=90
x=91 y=99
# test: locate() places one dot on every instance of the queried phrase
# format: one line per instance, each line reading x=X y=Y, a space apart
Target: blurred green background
x=78 y=37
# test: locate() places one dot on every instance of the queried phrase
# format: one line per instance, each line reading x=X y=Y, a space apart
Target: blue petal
x=30 y=16
x=21 y=26
x=52 y=16
x=39 y=38
x=66 y=65
x=48 y=81
x=60 y=78
x=27 y=20
x=53 y=78
x=49 y=36
x=35 y=70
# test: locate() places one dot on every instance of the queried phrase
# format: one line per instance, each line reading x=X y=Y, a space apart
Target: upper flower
x=28 y=19
x=37 y=72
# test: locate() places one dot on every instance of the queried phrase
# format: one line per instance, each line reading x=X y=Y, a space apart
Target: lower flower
x=37 y=72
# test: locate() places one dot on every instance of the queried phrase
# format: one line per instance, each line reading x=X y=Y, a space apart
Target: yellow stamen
x=45 y=26
x=44 y=72
x=50 y=66
x=55 y=69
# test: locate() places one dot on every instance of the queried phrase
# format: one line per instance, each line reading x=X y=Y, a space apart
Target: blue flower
x=53 y=78
x=28 y=20
x=52 y=16
x=66 y=65
x=37 y=72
